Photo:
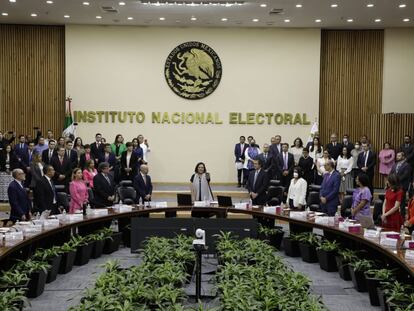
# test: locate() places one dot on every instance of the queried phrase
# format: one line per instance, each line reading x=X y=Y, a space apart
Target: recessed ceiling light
x=318 y=20
x=377 y=20
x=121 y=3
x=162 y=18
x=49 y=2
x=130 y=18
x=85 y=3
x=263 y=5
x=370 y=5
x=287 y=20
x=98 y=17
x=298 y=5
x=193 y=18
x=66 y=16
x=255 y=20
x=334 y=5
x=349 y=20
x=224 y=19
x=402 y=5
x=33 y=15
x=5 y=14
x=406 y=20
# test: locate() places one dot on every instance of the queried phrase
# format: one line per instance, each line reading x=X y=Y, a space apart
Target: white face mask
x=295 y=175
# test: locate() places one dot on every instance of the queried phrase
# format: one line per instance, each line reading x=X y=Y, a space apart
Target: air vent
x=109 y=9
x=276 y=12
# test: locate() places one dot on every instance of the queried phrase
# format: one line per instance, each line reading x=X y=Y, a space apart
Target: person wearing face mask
x=347 y=143
x=297 y=190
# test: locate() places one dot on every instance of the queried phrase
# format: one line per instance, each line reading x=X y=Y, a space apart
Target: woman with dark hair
x=200 y=184
x=297 y=190
x=129 y=163
x=78 y=147
x=60 y=142
x=118 y=146
x=315 y=149
x=296 y=149
x=78 y=191
x=386 y=161
x=361 y=197
x=139 y=152
x=89 y=172
x=344 y=166
x=306 y=164
x=320 y=167
x=391 y=216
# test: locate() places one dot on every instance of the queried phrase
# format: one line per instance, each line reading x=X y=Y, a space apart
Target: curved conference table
x=395 y=255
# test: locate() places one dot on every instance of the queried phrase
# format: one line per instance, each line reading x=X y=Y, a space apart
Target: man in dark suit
x=21 y=147
x=366 y=162
x=143 y=184
x=403 y=170
x=257 y=184
x=334 y=148
x=408 y=148
x=71 y=154
x=347 y=143
x=97 y=148
x=267 y=160
x=46 y=192
x=63 y=167
x=108 y=157
x=47 y=155
x=104 y=186
x=329 y=193
x=275 y=146
x=19 y=201
x=239 y=150
x=285 y=162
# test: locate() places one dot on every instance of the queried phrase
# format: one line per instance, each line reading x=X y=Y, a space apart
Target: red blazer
x=411 y=211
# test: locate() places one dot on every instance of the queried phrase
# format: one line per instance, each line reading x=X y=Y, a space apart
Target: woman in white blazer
x=297 y=190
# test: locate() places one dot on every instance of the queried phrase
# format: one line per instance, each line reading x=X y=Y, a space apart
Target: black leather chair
x=127 y=195
x=60 y=188
x=62 y=199
x=346 y=206
x=313 y=201
x=273 y=202
x=274 y=182
x=91 y=198
x=314 y=188
x=350 y=191
x=275 y=192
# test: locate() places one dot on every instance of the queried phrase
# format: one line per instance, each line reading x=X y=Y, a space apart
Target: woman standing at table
x=297 y=190
x=391 y=216
x=361 y=197
x=89 y=172
x=250 y=154
x=320 y=167
x=296 y=149
x=200 y=188
x=386 y=161
x=344 y=166
x=78 y=191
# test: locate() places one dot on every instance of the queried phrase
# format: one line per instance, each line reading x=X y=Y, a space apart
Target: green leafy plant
x=67 y=247
x=348 y=255
x=309 y=238
x=13 y=277
x=31 y=265
x=328 y=246
x=267 y=232
x=362 y=265
x=77 y=241
x=13 y=300
x=381 y=274
x=46 y=254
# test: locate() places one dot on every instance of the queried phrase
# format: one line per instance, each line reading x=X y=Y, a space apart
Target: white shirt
x=321 y=164
x=20 y=183
x=128 y=158
x=297 y=191
x=315 y=155
x=145 y=150
x=344 y=164
x=297 y=153
x=40 y=165
x=50 y=183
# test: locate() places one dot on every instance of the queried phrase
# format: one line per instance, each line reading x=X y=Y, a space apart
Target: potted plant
x=68 y=258
x=83 y=249
x=98 y=240
x=112 y=240
x=52 y=256
x=13 y=279
x=308 y=242
x=37 y=272
x=291 y=245
x=373 y=278
x=397 y=295
x=126 y=235
x=13 y=300
x=357 y=270
x=343 y=258
x=326 y=252
x=273 y=235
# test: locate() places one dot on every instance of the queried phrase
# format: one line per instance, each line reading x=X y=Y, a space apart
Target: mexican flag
x=70 y=127
x=314 y=131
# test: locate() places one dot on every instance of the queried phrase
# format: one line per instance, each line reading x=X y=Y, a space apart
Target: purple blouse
x=359 y=195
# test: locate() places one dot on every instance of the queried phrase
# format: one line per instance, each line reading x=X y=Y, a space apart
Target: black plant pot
x=83 y=254
x=382 y=299
x=112 y=245
x=126 y=237
x=291 y=247
x=36 y=284
x=189 y=269
x=97 y=249
x=327 y=260
x=276 y=239
x=343 y=268
x=358 y=278
x=308 y=253
x=67 y=261
x=372 y=286
x=54 y=268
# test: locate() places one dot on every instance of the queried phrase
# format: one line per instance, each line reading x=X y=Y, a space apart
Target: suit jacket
x=13 y=161
x=73 y=158
x=62 y=169
x=82 y=160
x=372 y=161
x=142 y=188
x=260 y=187
x=102 y=190
x=97 y=151
x=349 y=146
x=409 y=153
x=274 y=150
x=26 y=158
x=36 y=174
x=46 y=194
x=133 y=163
x=267 y=163
x=19 y=151
x=45 y=156
x=280 y=162
x=330 y=189
x=111 y=159
x=404 y=174
x=307 y=167
x=238 y=153
x=334 y=151
x=19 y=201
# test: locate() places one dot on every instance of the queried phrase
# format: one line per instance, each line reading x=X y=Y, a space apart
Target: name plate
x=298 y=215
x=321 y=220
x=74 y=217
x=125 y=209
x=39 y=222
x=161 y=204
x=270 y=209
x=354 y=228
x=12 y=238
x=200 y=204
x=371 y=234
x=51 y=223
x=409 y=244
x=100 y=211
x=389 y=242
x=390 y=235
x=409 y=255
x=241 y=206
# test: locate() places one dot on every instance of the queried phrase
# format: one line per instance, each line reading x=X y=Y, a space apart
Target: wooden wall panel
x=351 y=90
x=32 y=78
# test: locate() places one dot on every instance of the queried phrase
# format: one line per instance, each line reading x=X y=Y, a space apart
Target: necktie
x=265 y=157
x=144 y=177
x=285 y=161
x=50 y=154
x=334 y=144
x=366 y=158
x=254 y=180
x=53 y=189
x=67 y=153
x=199 y=188
x=397 y=169
x=61 y=160
x=107 y=179
x=30 y=156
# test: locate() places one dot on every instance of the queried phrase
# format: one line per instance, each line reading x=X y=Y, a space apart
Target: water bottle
x=336 y=218
x=139 y=202
x=250 y=203
x=402 y=233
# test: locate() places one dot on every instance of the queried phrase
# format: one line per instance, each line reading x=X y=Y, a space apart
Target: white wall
x=398 y=81
x=264 y=70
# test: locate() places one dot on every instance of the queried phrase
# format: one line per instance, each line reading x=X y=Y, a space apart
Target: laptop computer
x=184 y=199
x=367 y=222
x=224 y=201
